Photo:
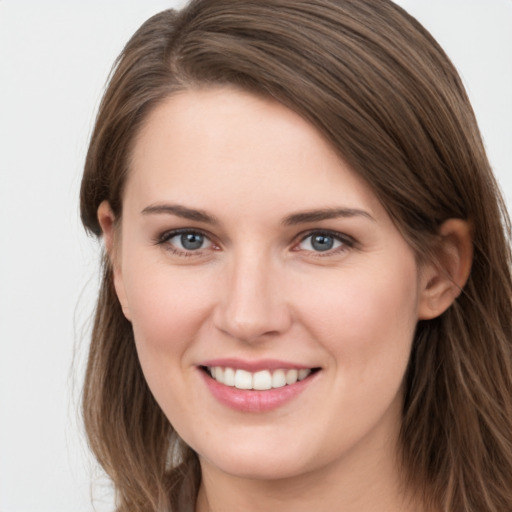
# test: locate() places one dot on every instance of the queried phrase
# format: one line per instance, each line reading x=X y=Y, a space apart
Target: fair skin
x=285 y=260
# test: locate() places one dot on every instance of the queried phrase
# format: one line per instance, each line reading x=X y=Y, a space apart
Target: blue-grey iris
x=192 y=241
x=322 y=242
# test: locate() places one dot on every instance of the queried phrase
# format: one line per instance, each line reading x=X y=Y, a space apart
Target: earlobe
x=442 y=280
x=106 y=219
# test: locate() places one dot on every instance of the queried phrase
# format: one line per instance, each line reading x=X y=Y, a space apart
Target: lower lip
x=245 y=400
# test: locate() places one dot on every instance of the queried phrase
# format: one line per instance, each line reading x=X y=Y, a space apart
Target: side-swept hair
x=381 y=90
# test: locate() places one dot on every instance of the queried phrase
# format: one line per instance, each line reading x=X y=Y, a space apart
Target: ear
x=106 y=219
x=442 y=280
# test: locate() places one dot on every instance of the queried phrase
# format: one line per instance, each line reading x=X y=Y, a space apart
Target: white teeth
x=243 y=379
x=262 y=380
x=229 y=377
x=303 y=373
x=278 y=379
x=292 y=376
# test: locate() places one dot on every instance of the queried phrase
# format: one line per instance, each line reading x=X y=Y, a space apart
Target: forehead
x=223 y=144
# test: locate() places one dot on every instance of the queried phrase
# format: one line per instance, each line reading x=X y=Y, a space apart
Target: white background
x=54 y=59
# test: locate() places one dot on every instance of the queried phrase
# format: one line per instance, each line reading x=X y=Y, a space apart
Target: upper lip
x=255 y=365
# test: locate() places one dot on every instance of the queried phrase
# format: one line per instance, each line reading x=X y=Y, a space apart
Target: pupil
x=191 y=241
x=322 y=242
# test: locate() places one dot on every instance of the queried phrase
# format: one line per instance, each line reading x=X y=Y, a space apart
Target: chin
x=270 y=458
x=259 y=466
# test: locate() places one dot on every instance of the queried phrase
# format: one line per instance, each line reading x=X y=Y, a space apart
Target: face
x=273 y=300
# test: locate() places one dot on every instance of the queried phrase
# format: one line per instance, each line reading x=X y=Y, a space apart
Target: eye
x=189 y=241
x=322 y=242
x=185 y=242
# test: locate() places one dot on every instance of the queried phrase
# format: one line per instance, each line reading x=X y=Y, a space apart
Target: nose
x=252 y=306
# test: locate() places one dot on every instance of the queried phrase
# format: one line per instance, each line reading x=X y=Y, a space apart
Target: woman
x=306 y=299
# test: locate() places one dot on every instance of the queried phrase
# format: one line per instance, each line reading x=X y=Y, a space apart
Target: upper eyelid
x=167 y=235
x=343 y=237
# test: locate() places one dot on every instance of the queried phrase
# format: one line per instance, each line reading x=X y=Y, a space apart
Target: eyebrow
x=181 y=211
x=324 y=214
x=290 y=220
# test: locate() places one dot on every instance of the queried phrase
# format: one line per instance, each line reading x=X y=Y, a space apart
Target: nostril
x=252 y=325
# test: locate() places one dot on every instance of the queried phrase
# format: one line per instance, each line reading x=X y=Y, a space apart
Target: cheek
x=365 y=318
x=165 y=306
x=168 y=311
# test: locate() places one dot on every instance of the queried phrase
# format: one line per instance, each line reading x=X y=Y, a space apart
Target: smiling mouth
x=259 y=381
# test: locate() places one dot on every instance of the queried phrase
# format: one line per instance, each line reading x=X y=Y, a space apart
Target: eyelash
x=347 y=242
x=164 y=239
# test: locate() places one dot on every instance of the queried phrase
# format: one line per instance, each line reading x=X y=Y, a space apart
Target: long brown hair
x=379 y=87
